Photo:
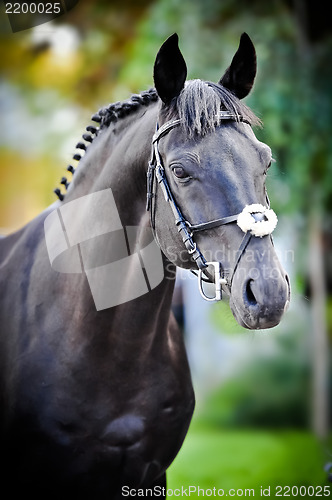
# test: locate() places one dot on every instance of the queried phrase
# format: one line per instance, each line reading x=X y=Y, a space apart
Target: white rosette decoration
x=247 y=222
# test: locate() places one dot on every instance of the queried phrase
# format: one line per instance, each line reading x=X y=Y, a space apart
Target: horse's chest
x=129 y=421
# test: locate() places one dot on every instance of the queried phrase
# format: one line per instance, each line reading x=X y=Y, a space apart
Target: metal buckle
x=218 y=282
x=193 y=249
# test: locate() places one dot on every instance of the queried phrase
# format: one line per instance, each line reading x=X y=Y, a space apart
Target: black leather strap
x=164 y=129
x=242 y=248
x=180 y=221
x=195 y=228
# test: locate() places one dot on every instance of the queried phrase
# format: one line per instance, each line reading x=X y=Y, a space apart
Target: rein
x=255 y=220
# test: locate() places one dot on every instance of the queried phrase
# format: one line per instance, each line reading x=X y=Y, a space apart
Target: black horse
x=96 y=391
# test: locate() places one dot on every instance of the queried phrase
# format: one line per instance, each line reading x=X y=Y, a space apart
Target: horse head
x=211 y=169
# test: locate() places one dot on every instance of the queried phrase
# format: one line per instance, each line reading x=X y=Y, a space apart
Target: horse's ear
x=170 y=70
x=240 y=76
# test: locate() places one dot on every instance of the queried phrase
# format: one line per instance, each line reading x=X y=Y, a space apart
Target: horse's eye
x=180 y=173
x=267 y=168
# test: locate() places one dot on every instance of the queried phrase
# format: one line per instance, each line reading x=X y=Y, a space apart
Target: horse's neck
x=114 y=169
x=118 y=159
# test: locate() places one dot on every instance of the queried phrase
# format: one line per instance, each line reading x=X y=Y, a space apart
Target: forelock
x=198 y=105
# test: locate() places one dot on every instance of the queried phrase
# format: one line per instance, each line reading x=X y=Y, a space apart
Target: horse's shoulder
x=13 y=245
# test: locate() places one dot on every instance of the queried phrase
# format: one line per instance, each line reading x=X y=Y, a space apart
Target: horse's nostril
x=288 y=284
x=251 y=299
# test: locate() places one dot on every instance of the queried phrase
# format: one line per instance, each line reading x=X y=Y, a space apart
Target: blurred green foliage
x=243 y=459
x=268 y=392
x=271 y=388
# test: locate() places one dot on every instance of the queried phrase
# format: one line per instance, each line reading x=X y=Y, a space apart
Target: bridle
x=251 y=215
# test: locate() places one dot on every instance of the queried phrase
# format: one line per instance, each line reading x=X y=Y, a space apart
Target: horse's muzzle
x=260 y=302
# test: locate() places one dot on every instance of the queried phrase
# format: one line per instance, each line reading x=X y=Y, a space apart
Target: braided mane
x=104 y=117
x=113 y=112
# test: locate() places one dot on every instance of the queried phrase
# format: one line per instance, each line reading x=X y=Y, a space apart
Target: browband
x=220 y=116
